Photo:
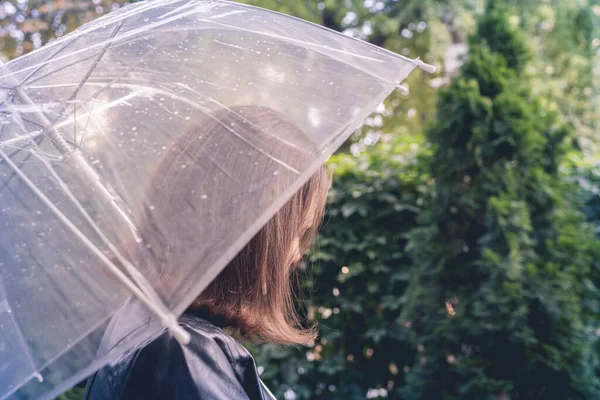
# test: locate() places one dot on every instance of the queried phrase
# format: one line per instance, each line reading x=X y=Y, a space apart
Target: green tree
x=566 y=38
x=498 y=300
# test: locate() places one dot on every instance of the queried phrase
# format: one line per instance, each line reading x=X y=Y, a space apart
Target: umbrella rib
x=37 y=140
x=107 y=86
x=74 y=63
x=25 y=160
x=39 y=127
x=39 y=137
x=104 y=87
x=33 y=152
x=87 y=122
x=123 y=36
x=7 y=181
x=3 y=125
x=87 y=76
x=38 y=78
x=95 y=63
x=233 y=132
x=261 y=151
x=35 y=71
x=165 y=316
x=51 y=125
x=243 y=118
x=3 y=103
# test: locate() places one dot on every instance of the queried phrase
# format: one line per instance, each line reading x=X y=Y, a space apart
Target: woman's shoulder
x=209 y=338
x=212 y=366
x=203 y=330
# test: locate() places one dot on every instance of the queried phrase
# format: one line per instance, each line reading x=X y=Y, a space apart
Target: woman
x=192 y=191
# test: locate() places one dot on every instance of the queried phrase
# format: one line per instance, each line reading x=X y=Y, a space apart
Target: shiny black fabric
x=212 y=366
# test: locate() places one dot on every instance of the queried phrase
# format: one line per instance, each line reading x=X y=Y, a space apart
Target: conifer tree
x=498 y=303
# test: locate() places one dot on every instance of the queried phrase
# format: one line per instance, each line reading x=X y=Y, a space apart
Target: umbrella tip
x=178 y=332
x=403 y=89
x=181 y=335
x=424 y=66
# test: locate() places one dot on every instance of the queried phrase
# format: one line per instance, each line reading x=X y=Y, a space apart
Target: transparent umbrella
x=84 y=124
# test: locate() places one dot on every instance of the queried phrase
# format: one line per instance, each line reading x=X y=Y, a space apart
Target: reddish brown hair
x=254 y=293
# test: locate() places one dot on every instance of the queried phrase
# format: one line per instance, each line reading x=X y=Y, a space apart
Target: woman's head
x=223 y=172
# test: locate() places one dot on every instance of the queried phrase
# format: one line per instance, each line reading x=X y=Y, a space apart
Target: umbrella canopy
x=86 y=123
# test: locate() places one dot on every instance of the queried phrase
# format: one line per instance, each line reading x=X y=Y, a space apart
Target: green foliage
x=501 y=292
x=495 y=30
x=27 y=25
x=75 y=393
x=587 y=178
x=566 y=37
x=360 y=271
x=308 y=10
